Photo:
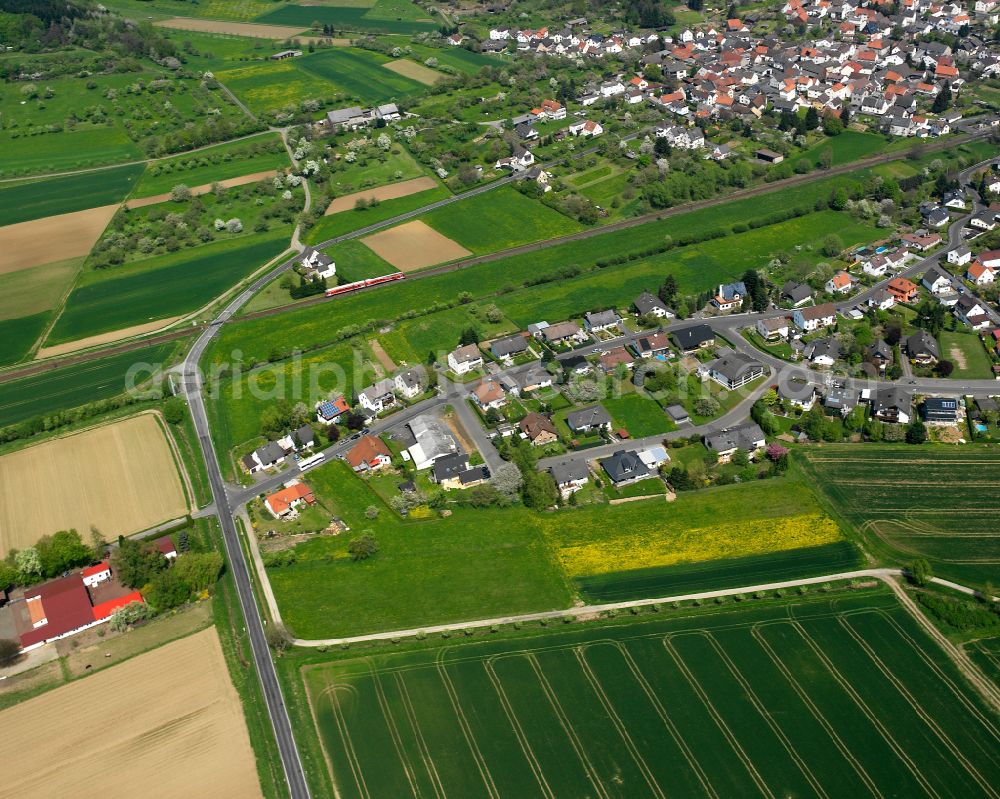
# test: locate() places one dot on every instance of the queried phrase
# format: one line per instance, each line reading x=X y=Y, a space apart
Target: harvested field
x=169 y=720
x=229 y=183
x=413 y=246
x=52 y=238
x=232 y=28
x=119 y=477
x=391 y=192
x=104 y=338
x=414 y=71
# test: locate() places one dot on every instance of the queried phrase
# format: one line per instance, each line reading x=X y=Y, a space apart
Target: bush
x=10 y=651
x=128 y=615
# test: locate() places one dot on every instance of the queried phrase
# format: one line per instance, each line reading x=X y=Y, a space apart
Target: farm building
x=68 y=605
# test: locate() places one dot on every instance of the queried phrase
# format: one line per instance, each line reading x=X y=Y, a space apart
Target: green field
x=845 y=697
x=848 y=146
x=358 y=73
x=394 y=16
x=74 y=385
x=217 y=163
x=314 y=325
x=737 y=572
x=238 y=10
x=355 y=261
x=40 y=288
x=165 y=286
x=478 y=563
x=457 y=58
x=472 y=564
x=65 y=151
x=17 y=336
x=964 y=349
x=499 y=219
x=910 y=502
x=347 y=221
x=25 y=201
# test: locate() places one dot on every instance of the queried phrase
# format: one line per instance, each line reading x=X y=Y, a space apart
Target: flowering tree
x=776 y=452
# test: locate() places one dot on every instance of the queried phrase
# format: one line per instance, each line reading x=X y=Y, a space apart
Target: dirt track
x=231 y=28
x=119 y=477
x=167 y=723
x=104 y=338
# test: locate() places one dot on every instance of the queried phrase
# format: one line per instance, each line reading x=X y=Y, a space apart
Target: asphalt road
x=277 y=711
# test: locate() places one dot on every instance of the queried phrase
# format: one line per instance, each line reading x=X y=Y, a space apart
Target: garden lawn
x=965 y=350
x=71 y=386
x=639 y=415
x=165 y=286
x=499 y=219
x=37 y=199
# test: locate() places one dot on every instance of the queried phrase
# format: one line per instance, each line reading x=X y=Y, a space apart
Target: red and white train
x=363 y=284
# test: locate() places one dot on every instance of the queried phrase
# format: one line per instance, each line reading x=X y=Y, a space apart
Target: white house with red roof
x=284 y=504
x=93 y=575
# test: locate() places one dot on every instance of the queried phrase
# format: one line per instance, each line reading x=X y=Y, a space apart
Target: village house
x=960 y=256
x=562 y=332
x=937 y=281
x=601 y=320
x=891 y=404
x=655 y=345
x=730 y=296
x=589 y=420
x=647 y=304
x=689 y=339
x=570 y=476
x=317 y=265
x=980 y=275
x=379 y=396
x=822 y=352
x=465 y=359
x=538 y=429
x=939 y=410
x=329 y=411
x=506 y=348
x=284 y=504
x=431 y=440
x=734 y=369
x=922 y=348
x=611 y=359
x=814 y=317
x=902 y=290
x=747 y=437
x=972 y=312
x=624 y=467
x=796 y=294
x=489 y=395
x=773 y=328
x=840 y=283
x=410 y=382
x=369 y=454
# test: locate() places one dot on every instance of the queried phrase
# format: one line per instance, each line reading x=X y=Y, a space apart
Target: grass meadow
x=74 y=385
x=26 y=201
x=339 y=224
x=478 y=563
x=386 y=16
x=358 y=73
x=909 y=502
x=499 y=219
x=319 y=324
x=207 y=166
x=777 y=698
x=169 y=285
x=964 y=349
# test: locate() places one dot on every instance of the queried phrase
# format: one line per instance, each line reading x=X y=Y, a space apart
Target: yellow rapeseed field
x=659 y=545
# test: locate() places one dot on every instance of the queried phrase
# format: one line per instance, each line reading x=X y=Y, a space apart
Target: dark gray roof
x=922 y=343
x=305 y=436
x=646 y=302
x=624 y=465
x=734 y=366
x=450 y=466
x=569 y=471
x=891 y=397
x=586 y=418
x=689 y=338
x=829 y=347
x=744 y=436
x=511 y=345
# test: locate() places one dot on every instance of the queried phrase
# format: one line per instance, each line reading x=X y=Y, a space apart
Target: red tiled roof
x=280 y=501
x=105 y=609
x=367 y=451
x=165 y=545
x=67 y=608
x=90 y=571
